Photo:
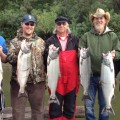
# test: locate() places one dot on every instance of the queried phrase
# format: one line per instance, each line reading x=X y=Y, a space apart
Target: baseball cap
x=28 y=18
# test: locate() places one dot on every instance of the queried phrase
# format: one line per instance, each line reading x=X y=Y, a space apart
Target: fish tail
x=109 y=110
x=85 y=97
x=24 y=94
x=54 y=99
x=113 y=97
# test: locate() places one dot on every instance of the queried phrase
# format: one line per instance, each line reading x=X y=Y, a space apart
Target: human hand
x=26 y=46
x=53 y=51
x=113 y=53
x=1 y=51
x=19 y=44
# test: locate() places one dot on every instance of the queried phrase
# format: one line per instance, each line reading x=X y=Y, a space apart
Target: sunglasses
x=31 y=24
x=61 y=23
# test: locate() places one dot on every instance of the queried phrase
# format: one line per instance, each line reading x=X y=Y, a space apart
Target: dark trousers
x=66 y=107
x=35 y=97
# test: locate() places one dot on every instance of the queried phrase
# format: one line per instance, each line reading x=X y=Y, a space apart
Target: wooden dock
x=8 y=116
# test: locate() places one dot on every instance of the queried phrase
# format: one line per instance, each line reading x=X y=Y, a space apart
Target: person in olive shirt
x=100 y=39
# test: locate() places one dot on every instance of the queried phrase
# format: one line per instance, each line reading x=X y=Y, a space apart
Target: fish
x=23 y=67
x=2 y=101
x=85 y=71
x=107 y=81
x=53 y=73
x=1 y=76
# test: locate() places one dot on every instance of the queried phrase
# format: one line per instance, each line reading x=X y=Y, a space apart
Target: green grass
x=6 y=83
x=115 y=102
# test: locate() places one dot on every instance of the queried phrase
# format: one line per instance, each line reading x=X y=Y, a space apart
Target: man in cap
x=68 y=83
x=100 y=39
x=35 y=87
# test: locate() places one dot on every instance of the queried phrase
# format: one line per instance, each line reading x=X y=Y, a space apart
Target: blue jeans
x=89 y=104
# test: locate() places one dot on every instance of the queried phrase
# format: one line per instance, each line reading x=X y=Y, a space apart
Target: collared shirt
x=63 y=41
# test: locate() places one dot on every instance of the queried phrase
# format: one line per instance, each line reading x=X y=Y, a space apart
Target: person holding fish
x=28 y=78
x=3 y=56
x=62 y=62
x=100 y=39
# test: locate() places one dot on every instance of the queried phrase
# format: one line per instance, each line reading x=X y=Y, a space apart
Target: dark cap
x=28 y=18
x=61 y=19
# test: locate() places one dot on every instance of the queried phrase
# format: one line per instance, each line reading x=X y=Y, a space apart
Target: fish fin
x=54 y=100
x=116 y=81
x=1 y=91
x=22 y=94
x=48 y=60
x=109 y=110
x=59 y=75
x=113 y=97
x=85 y=97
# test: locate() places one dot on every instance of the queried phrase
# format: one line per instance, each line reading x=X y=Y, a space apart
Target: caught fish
x=53 y=72
x=2 y=102
x=85 y=71
x=1 y=76
x=23 y=66
x=108 y=81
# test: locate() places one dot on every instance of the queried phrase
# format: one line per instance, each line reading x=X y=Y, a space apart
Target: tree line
x=45 y=11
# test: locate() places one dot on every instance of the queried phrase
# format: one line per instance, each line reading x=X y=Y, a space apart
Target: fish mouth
x=54 y=99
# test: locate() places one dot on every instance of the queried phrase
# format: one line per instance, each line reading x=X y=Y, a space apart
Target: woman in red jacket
x=68 y=83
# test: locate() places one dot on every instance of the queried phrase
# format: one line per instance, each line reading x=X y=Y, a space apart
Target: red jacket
x=69 y=79
x=68 y=63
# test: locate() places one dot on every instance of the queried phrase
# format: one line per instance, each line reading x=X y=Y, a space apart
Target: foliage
x=45 y=11
x=115 y=23
x=45 y=20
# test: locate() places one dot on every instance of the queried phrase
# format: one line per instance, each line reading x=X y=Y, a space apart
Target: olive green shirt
x=98 y=44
